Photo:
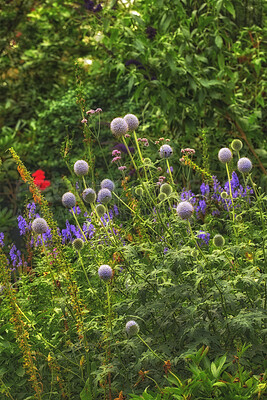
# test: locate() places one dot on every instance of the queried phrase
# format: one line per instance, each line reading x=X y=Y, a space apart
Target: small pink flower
x=162 y=138
x=156 y=142
x=98 y=110
x=84 y=121
x=90 y=112
x=127 y=135
x=115 y=159
x=122 y=168
x=116 y=153
x=159 y=169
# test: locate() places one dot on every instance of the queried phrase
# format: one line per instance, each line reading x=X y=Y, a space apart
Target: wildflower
x=81 y=168
x=236 y=145
x=90 y=112
x=166 y=188
x=165 y=151
x=68 y=200
x=39 y=179
x=225 y=155
x=118 y=127
x=100 y=210
x=98 y=110
x=218 y=240
x=89 y=195
x=122 y=168
x=104 y=195
x=244 y=165
x=77 y=244
x=105 y=272
x=115 y=153
x=132 y=328
x=39 y=225
x=204 y=238
x=132 y=122
x=185 y=210
x=107 y=184
x=84 y=121
x=116 y=159
x=2 y=239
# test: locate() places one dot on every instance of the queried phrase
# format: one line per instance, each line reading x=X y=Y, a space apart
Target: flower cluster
x=98 y=110
x=39 y=179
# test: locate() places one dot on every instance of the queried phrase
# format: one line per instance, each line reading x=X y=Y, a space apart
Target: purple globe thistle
x=165 y=151
x=81 y=168
x=132 y=328
x=225 y=155
x=89 y=195
x=104 y=196
x=118 y=127
x=244 y=165
x=68 y=200
x=132 y=122
x=105 y=272
x=39 y=225
x=107 y=184
x=185 y=210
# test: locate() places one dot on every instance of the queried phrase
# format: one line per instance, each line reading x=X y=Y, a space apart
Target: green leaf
x=86 y=392
x=218 y=41
x=229 y=7
x=221 y=61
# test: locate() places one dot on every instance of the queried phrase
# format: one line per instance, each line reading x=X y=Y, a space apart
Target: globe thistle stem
x=84 y=183
x=139 y=153
x=168 y=166
x=85 y=273
x=232 y=200
x=79 y=225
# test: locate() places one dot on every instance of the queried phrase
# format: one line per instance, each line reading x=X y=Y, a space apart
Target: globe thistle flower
x=39 y=225
x=165 y=151
x=236 y=145
x=68 y=200
x=100 y=210
x=166 y=188
x=107 y=184
x=139 y=191
x=239 y=218
x=89 y=195
x=77 y=244
x=244 y=165
x=162 y=196
x=81 y=168
x=194 y=253
x=224 y=195
x=185 y=210
x=132 y=122
x=118 y=127
x=105 y=272
x=104 y=196
x=225 y=155
x=132 y=328
x=218 y=240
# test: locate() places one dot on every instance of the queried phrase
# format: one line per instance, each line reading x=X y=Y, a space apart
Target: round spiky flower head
x=105 y=272
x=68 y=200
x=239 y=218
x=107 y=184
x=89 y=195
x=165 y=151
x=236 y=145
x=244 y=165
x=139 y=191
x=132 y=328
x=39 y=225
x=185 y=210
x=218 y=240
x=166 y=188
x=162 y=196
x=224 y=195
x=104 y=196
x=118 y=127
x=194 y=253
x=132 y=122
x=81 y=168
x=100 y=210
x=77 y=244
x=225 y=155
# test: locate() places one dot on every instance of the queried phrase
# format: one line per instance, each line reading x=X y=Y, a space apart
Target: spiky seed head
x=239 y=218
x=104 y=196
x=165 y=151
x=68 y=200
x=194 y=253
x=147 y=161
x=39 y=225
x=224 y=195
x=225 y=155
x=77 y=244
x=162 y=196
x=139 y=191
x=236 y=145
x=132 y=328
x=118 y=127
x=108 y=184
x=166 y=188
x=105 y=272
x=132 y=122
x=244 y=165
x=81 y=168
x=185 y=210
x=218 y=240
x=100 y=210
x=89 y=195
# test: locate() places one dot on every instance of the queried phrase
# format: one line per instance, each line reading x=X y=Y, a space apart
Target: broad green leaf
x=229 y=7
x=218 y=41
x=86 y=392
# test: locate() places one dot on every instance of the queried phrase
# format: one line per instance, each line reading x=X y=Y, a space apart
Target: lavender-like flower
x=225 y=155
x=118 y=127
x=107 y=184
x=2 y=236
x=81 y=168
x=132 y=328
x=39 y=225
x=68 y=200
x=244 y=165
x=104 y=196
x=105 y=272
x=165 y=151
x=132 y=122
x=89 y=195
x=185 y=210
